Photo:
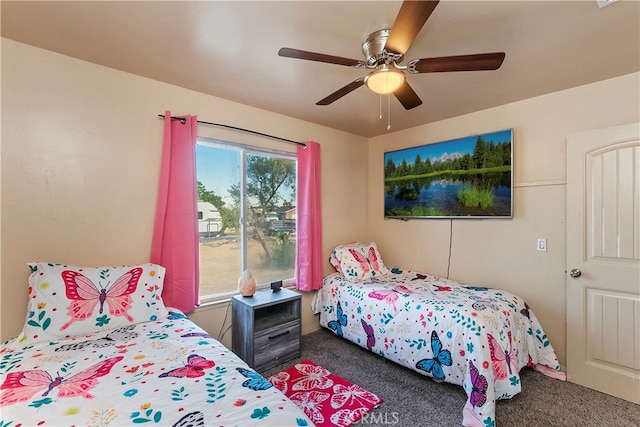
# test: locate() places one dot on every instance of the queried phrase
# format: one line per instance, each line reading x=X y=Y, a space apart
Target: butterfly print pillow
x=358 y=261
x=68 y=301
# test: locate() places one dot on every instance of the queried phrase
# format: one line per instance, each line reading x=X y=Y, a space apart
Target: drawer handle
x=279 y=335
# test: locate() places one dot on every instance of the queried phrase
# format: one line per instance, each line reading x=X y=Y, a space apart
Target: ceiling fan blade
x=319 y=57
x=407 y=96
x=410 y=20
x=477 y=62
x=342 y=92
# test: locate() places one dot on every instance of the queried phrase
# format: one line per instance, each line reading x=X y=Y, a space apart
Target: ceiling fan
x=384 y=51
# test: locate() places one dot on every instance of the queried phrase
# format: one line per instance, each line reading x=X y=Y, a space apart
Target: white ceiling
x=229 y=49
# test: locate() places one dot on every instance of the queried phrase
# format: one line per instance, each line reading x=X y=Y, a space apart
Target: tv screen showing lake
x=465 y=177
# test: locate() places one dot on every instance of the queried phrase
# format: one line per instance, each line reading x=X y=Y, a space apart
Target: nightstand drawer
x=266 y=327
x=275 y=343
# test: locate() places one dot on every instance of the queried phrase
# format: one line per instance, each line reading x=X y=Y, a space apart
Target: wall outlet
x=542 y=245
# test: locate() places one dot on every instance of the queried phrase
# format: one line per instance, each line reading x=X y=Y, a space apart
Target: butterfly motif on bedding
x=341 y=320
x=390 y=296
x=440 y=357
x=22 y=386
x=503 y=359
x=525 y=311
x=369 y=262
x=192 y=419
x=255 y=381
x=483 y=303
x=194 y=368
x=196 y=334
x=477 y=288
x=368 y=329
x=112 y=338
x=176 y=316
x=479 y=385
x=85 y=295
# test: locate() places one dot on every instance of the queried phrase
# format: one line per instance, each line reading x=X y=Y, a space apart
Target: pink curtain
x=309 y=219
x=175 y=234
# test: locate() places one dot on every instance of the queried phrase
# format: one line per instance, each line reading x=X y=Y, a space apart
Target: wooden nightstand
x=266 y=327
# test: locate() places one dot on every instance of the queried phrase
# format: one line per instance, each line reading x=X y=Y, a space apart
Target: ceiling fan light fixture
x=384 y=80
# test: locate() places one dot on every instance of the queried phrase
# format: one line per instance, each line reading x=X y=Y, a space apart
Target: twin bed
x=99 y=348
x=472 y=336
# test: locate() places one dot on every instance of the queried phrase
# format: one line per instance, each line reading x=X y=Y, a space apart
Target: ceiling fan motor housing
x=374 y=51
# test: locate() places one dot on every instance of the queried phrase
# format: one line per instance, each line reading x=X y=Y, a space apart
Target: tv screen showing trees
x=464 y=177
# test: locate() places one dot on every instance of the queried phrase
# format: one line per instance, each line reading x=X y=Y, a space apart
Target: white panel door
x=603 y=260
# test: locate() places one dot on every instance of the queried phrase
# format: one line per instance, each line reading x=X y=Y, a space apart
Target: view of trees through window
x=259 y=234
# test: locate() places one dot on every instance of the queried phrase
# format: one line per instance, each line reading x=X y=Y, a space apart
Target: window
x=246 y=215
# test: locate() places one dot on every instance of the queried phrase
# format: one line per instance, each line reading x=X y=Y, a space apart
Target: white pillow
x=66 y=301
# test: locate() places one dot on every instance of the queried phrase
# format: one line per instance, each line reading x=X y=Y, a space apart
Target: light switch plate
x=542 y=245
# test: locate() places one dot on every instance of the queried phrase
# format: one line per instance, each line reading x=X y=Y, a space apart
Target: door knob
x=575 y=273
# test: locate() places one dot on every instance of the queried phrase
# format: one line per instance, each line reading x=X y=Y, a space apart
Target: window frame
x=244 y=150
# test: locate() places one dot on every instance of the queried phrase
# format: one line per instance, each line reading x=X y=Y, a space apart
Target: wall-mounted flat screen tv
x=469 y=177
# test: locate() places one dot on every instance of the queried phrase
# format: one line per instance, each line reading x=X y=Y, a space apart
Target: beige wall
x=502 y=253
x=80 y=160
x=81 y=148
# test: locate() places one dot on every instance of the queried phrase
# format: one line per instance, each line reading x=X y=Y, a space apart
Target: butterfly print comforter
x=472 y=336
x=164 y=373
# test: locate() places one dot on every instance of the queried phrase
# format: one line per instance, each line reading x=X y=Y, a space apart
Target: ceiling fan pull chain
x=388 y=112
x=380 y=108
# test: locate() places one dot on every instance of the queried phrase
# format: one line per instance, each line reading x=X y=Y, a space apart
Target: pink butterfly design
x=280 y=381
x=85 y=295
x=345 y=417
x=311 y=402
x=373 y=259
x=313 y=377
x=403 y=289
x=503 y=360
x=22 y=386
x=390 y=296
x=362 y=260
x=367 y=262
x=386 y=295
x=194 y=368
x=350 y=395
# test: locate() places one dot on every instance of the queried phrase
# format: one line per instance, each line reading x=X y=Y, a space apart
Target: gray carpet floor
x=411 y=399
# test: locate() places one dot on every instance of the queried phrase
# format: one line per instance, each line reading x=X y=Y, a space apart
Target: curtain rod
x=182 y=120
